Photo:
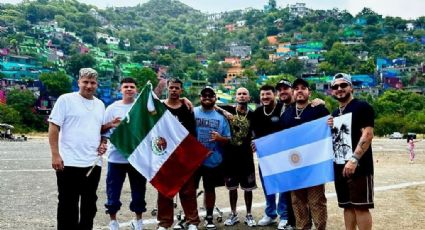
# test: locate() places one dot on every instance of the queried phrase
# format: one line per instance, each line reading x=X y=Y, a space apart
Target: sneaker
x=266 y=220
x=192 y=227
x=114 y=225
x=161 y=228
x=231 y=220
x=180 y=225
x=136 y=224
x=209 y=224
x=283 y=225
x=250 y=221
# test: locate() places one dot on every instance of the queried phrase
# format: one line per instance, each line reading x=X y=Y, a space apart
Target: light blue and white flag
x=296 y=158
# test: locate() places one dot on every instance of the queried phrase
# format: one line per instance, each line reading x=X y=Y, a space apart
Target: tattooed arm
x=362 y=146
x=364 y=142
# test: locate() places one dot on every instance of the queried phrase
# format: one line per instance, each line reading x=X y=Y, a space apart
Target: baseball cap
x=343 y=76
x=283 y=83
x=300 y=81
x=208 y=89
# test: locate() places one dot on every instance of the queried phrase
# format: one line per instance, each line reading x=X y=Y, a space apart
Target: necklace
x=342 y=108
x=240 y=117
x=283 y=109
x=268 y=114
x=298 y=112
x=90 y=107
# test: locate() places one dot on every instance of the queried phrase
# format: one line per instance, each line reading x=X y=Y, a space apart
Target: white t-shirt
x=116 y=109
x=80 y=121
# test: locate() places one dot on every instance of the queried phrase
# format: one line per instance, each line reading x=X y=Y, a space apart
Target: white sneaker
x=231 y=220
x=136 y=225
x=250 y=221
x=283 y=225
x=192 y=227
x=161 y=228
x=266 y=220
x=114 y=225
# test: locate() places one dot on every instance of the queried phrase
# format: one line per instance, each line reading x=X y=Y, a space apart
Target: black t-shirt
x=266 y=122
x=362 y=116
x=310 y=113
x=238 y=154
x=186 y=118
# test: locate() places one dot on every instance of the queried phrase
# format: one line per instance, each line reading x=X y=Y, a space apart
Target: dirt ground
x=28 y=194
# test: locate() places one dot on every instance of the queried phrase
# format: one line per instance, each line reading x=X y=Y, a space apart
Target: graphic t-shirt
x=206 y=122
x=362 y=116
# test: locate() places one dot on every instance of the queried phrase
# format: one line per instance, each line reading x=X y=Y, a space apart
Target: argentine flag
x=295 y=158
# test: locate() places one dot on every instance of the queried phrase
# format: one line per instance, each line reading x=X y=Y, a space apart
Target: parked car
x=396 y=135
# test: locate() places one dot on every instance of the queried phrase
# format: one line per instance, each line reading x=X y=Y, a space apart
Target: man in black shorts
x=213 y=132
x=354 y=174
x=238 y=158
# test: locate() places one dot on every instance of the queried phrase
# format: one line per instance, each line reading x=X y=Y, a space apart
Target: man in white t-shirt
x=75 y=142
x=118 y=165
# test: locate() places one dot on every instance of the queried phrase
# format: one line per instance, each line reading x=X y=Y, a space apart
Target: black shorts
x=355 y=191
x=211 y=177
x=247 y=182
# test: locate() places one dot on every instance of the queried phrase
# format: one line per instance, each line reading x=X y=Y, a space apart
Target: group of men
x=79 y=128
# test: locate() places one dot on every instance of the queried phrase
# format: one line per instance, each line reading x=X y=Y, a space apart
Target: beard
x=243 y=103
x=344 y=98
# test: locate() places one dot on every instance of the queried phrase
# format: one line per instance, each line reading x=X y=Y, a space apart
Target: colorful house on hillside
x=235 y=70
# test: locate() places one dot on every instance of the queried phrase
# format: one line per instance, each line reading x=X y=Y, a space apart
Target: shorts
x=355 y=191
x=246 y=182
x=211 y=177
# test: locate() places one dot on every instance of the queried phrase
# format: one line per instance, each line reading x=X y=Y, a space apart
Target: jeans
x=75 y=187
x=114 y=182
x=272 y=210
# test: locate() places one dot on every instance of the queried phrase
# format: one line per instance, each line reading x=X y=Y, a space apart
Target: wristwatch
x=354 y=160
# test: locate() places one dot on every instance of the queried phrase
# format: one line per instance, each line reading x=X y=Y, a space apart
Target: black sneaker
x=209 y=224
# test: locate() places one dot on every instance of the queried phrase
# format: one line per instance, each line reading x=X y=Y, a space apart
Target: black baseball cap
x=208 y=89
x=299 y=81
x=283 y=83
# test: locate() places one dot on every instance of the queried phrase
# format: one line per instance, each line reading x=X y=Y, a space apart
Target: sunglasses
x=342 y=85
x=208 y=95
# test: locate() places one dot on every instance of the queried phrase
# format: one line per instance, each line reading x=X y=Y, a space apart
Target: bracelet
x=355 y=157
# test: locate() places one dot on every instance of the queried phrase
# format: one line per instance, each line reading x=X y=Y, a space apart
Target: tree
x=57 y=83
x=216 y=72
x=143 y=75
x=23 y=102
x=9 y=115
x=78 y=61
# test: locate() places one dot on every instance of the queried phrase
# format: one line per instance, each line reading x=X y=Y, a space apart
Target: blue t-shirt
x=206 y=122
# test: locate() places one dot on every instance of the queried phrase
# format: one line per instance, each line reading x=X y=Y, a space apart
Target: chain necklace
x=283 y=108
x=268 y=114
x=298 y=112
x=240 y=117
x=90 y=107
x=342 y=108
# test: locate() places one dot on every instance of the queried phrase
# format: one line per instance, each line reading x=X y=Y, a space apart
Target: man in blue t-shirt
x=213 y=132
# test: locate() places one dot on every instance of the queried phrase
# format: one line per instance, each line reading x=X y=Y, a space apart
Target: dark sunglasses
x=208 y=95
x=342 y=85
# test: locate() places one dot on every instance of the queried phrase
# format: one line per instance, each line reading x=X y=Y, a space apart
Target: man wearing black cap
x=354 y=174
x=312 y=200
x=213 y=132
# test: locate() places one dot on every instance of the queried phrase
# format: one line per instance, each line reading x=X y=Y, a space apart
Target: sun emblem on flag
x=159 y=146
x=295 y=158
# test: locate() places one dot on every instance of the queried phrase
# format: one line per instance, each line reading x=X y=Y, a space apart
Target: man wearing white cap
x=354 y=175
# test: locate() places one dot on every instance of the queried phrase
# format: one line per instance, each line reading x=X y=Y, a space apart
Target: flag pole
x=98 y=158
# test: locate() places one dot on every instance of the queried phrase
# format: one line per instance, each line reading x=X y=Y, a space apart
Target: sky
x=407 y=9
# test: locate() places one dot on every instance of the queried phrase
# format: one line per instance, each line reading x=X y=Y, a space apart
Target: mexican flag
x=157 y=145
